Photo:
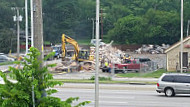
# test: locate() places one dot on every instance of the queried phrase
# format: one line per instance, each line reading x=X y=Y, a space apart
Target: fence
x=147 y=67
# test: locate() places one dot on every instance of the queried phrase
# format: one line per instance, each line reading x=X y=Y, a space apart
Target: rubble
x=88 y=66
x=152 y=49
x=110 y=54
x=106 y=53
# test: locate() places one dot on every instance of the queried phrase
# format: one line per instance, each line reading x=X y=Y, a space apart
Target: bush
x=33 y=85
x=101 y=78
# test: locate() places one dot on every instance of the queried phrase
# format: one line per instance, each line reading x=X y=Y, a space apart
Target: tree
x=7 y=40
x=71 y=17
x=127 y=30
x=160 y=26
x=19 y=94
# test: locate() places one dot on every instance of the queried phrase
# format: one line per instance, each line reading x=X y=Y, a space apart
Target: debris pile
x=110 y=54
x=106 y=53
x=87 y=66
x=152 y=49
x=62 y=67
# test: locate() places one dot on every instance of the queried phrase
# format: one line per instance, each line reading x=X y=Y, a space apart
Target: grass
x=155 y=74
x=101 y=82
x=108 y=80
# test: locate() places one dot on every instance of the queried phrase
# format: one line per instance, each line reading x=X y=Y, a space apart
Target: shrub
x=101 y=78
x=32 y=85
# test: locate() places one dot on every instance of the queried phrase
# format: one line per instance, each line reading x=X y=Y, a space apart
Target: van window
x=182 y=79
x=168 y=78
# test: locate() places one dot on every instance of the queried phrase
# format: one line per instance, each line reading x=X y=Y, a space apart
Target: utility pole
x=97 y=55
x=181 y=37
x=38 y=27
x=18 y=19
x=32 y=42
x=93 y=28
x=26 y=24
x=188 y=27
x=32 y=22
x=38 y=32
x=18 y=33
x=101 y=23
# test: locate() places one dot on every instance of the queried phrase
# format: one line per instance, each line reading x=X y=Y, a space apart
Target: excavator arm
x=66 y=39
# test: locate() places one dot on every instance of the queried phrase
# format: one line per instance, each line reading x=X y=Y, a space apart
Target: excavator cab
x=84 y=55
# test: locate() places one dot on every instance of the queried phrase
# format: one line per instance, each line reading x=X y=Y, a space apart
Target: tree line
x=124 y=21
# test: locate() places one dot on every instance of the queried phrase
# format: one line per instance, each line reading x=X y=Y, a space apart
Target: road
x=6 y=67
x=115 y=96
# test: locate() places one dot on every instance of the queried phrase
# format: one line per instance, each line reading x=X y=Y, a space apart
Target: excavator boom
x=71 y=41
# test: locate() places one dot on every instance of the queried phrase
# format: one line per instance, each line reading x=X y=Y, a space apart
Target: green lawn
x=101 y=81
x=155 y=74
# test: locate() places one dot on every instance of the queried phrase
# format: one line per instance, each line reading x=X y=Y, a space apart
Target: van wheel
x=169 y=92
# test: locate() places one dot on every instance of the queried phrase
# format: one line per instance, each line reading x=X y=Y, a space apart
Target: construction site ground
x=88 y=74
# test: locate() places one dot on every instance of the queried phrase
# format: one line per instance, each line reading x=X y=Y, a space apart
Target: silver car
x=4 y=58
x=174 y=83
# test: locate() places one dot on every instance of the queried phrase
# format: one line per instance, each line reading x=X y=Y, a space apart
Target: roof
x=187 y=74
x=177 y=44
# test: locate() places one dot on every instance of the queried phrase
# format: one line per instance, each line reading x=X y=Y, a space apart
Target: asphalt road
x=129 y=96
x=6 y=67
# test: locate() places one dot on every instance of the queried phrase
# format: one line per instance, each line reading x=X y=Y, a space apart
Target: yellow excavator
x=78 y=55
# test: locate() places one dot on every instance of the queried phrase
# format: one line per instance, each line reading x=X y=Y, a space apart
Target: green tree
x=19 y=94
x=127 y=30
x=71 y=17
x=160 y=26
x=7 y=40
x=60 y=16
